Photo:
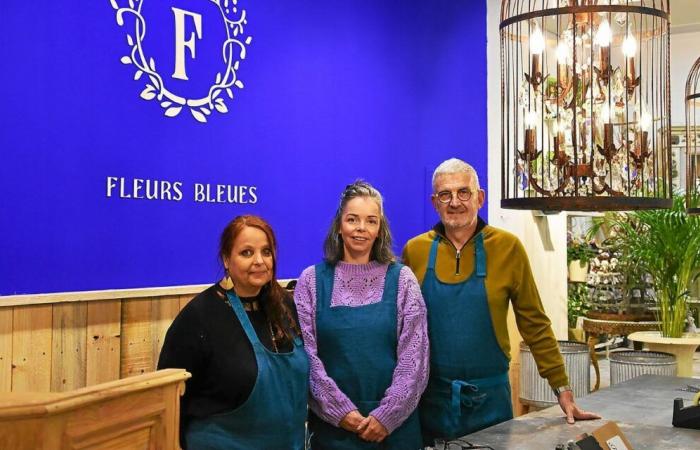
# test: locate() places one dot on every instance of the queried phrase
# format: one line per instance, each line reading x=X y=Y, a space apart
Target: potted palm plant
x=665 y=243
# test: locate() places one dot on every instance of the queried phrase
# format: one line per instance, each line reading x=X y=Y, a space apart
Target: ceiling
x=685 y=16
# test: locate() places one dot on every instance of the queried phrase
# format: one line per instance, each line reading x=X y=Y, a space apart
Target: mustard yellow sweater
x=508 y=278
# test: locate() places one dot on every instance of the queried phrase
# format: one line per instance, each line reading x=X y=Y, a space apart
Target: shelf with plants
x=618 y=290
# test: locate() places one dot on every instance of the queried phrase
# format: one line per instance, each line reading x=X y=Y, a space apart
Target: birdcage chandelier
x=585 y=105
x=692 y=140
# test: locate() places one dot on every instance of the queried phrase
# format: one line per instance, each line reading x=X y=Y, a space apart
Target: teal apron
x=468 y=389
x=357 y=346
x=273 y=417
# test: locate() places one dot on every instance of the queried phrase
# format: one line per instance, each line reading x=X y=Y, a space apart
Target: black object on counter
x=688 y=417
x=589 y=443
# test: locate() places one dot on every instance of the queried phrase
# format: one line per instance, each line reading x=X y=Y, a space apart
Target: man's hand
x=371 y=430
x=573 y=413
x=351 y=421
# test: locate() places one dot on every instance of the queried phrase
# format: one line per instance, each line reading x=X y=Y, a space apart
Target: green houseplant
x=579 y=250
x=578 y=255
x=577 y=305
x=664 y=243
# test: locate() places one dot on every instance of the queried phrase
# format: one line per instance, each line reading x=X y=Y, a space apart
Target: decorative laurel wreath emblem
x=233 y=51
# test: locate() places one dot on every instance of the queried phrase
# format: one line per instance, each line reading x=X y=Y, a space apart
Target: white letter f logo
x=181 y=43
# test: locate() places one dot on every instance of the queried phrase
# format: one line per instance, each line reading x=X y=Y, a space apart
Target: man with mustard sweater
x=469 y=272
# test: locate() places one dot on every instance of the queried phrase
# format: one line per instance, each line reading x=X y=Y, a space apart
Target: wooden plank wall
x=67 y=345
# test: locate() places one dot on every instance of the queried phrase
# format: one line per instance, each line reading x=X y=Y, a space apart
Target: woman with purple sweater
x=363 y=320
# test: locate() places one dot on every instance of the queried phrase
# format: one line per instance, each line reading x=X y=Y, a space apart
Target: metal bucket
x=630 y=364
x=535 y=390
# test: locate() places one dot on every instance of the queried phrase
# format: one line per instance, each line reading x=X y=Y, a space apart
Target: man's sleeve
x=533 y=324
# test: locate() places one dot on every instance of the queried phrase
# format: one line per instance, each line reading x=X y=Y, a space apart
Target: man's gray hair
x=454 y=165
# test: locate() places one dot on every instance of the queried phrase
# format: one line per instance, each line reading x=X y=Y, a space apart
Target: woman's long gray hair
x=381 y=249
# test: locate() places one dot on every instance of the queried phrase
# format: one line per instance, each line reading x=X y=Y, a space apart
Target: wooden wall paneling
x=185 y=299
x=136 y=337
x=103 y=341
x=5 y=349
x=164 y=310
x=68 y=357
x=31 y=348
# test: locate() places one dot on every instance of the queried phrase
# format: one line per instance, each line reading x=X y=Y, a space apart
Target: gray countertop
x=641 y=407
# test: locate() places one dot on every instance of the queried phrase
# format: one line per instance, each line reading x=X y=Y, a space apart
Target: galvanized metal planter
x=535 y=390
x=631 y=364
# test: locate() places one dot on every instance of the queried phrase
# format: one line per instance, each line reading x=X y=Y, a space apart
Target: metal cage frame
x=692 y=138
x=562 y=152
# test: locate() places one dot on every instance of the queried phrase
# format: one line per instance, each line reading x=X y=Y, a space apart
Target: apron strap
x=391 y=282
x=433 y=253
x=325 y=274
x=480 y=256
x=456 y=397
x=237 y=307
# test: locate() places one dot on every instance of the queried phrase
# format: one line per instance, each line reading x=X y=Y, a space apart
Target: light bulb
x=562 y=53
x=537 y=41
x=531 y=119
x=645 y=121
x=604 y=35
x=629 y=46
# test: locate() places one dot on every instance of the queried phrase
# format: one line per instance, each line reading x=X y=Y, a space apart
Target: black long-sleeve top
x=208 y=341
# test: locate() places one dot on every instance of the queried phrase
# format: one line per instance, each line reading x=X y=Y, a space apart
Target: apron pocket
x=489 y=405
x=436 y=415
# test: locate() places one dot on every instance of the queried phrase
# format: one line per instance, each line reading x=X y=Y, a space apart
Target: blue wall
x=333 y=91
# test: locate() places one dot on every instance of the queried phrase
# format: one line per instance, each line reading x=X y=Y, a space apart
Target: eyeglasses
x=463 y=194
x=458 y=444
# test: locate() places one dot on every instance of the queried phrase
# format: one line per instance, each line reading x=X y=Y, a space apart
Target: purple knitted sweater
x=357 y=285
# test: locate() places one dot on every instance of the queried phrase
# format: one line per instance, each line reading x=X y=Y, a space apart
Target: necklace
x=255 y=306
x=250 y=306
x=272 y=335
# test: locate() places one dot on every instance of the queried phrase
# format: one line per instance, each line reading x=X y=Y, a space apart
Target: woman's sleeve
x=327 y=400
x=183 y=347
x=413 y=356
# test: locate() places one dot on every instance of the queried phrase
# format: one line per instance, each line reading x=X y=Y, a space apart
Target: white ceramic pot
x=577 y=272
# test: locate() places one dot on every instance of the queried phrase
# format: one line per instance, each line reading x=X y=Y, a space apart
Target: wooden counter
x=140 y=412
x=642 y=408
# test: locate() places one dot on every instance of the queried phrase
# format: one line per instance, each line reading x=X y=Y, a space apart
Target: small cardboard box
x=610 y=437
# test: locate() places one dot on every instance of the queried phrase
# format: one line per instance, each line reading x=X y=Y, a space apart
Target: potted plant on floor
x=665 y=243
x=578 y=255
x=577 y=306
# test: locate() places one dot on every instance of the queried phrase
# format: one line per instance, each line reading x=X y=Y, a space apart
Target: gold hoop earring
x=226 y=282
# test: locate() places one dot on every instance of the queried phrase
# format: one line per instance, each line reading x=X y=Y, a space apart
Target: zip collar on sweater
x=439 y=228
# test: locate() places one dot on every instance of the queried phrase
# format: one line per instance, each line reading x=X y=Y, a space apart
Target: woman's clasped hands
x=367 y=428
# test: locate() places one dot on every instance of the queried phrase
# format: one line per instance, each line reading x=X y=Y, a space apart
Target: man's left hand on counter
x=573 y=412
